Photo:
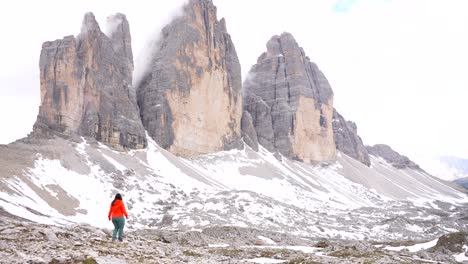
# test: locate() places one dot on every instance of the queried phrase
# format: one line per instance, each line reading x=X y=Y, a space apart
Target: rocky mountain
x=290 y=102
x=86 y=86
x=462 y=181
x=190 y=99
x=391 y=156
x=305 y=190
x=347 y=140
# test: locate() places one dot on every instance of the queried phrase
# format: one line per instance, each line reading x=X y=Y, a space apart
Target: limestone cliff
x=347 y=139
x=191 y=99
x=290 y=102
x=86 y=86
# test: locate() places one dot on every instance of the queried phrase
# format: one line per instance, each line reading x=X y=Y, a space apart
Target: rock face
x=291 y=102
x=86 y=86
x=452 y=243
x=392 y=157
x=248 y=131
x=347 y=140
x=190 y=100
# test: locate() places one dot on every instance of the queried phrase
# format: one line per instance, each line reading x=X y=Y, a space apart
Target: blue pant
x=119 y=223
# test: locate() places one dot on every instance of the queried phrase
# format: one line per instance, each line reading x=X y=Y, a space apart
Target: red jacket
x=117 y=210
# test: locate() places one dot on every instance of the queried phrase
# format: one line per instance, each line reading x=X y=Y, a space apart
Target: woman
x=116 y=213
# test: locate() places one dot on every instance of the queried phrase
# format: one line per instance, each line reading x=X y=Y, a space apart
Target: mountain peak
x=190 y=101
x=86 y=88
x=290 y=102
x=119 y=33
x=90 y=24
x=281 y=45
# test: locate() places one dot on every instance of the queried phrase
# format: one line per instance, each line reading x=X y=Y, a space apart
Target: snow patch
x=416 y=247
x=267 y=240
x=462 y=256
x=218 y=245
x=265 y=260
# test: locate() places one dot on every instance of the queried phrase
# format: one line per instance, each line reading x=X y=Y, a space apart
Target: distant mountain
x=463 y=182
x=458 y=164
x=458 y=168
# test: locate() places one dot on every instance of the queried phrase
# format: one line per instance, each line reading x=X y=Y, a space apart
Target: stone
x=453 y=242
x=167 y=220
x=217 y=244
x=347 y=139
x=50 y=234
x=190 y=99
x=391 y=156
x=290 y=102
x=86 y=87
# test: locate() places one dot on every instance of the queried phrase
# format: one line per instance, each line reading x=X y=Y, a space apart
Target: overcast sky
x=398 y=68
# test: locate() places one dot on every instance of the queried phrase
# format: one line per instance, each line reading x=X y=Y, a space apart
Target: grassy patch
x=267 y=254
x=351 y=252
x=322 y=244
x=89 y=261
x=191 y=253
x=228 y=252
x=276 y=253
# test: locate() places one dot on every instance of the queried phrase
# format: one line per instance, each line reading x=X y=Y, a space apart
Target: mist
x=146 y=52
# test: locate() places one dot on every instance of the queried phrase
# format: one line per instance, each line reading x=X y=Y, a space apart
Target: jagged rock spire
x=90 y=25
x=291 y=102
x=86 y=88
x=191 y=100
x=121 y=38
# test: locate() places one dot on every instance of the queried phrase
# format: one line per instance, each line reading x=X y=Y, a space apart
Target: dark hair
x=117 y=197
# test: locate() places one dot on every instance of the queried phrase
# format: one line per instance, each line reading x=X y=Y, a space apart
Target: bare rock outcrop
x=190 y=99
x=248 y=131
x=347 y=139
x=291 y=102
x=391 y=156
x=86 y=86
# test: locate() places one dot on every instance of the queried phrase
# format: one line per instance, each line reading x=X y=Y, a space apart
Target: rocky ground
x=27 y=242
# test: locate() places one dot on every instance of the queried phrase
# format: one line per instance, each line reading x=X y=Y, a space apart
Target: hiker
x=116 y=213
